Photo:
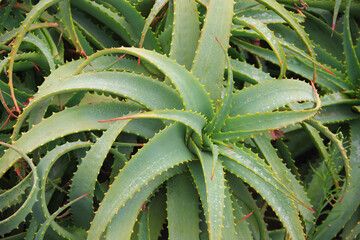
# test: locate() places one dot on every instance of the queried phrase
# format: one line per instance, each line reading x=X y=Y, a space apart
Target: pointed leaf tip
x=245 y=217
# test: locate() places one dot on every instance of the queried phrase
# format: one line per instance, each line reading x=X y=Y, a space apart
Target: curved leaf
x=209 y=65
x=85 y=177
x=192 y=93
x=159 y=4
x=122 y=224
x=86 y=119
x=40 y=209
x=14 y=220
x=164 y=151
x=343 y=210
x=274 y=94
x=352 y=61
x=259 y=176
x=193 y=120
x=269 y=38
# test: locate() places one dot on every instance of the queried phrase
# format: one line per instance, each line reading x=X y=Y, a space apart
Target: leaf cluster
x=207 y=119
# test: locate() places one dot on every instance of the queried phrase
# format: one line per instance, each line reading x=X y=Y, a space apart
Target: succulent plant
x=179 y=119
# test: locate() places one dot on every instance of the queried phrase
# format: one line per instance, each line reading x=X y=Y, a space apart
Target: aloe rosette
x=177 y=136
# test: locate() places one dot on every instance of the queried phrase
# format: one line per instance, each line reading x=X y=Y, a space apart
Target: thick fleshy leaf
x=137 y=22
x=186 y=33
x=253 y=226
x=211 y=192
x=275 y=94
x=208 y=65
x=87 y=117
x=85 y=177
x=279 y=9
x=40 y=209
x=40 y=234
x=269 y=37
x=302 y=67
x=352 y=61
x=260 y=177
x=193 y=120
x=249 y=73
x=13 y=221
x=159 y=4
x=112 y=20
x=224 y=105
x=16 y=194
x=258 y=108
x=269 y=152
x=192 y=93
x=183 y=208
x=164 y=151
x=144 y=90
x=35 y=12
x=122 y=224
x=31 y=38
x=228 y=231
x=68 y=23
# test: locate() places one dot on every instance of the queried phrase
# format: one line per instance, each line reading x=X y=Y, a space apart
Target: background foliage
x=208 y=119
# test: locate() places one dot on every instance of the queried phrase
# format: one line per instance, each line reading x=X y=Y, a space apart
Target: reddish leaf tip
x=245 y=217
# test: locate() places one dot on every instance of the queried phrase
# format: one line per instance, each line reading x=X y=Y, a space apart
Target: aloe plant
x=152 y=131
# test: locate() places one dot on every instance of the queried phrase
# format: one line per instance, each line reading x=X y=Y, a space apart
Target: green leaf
x=159 y=4
x=303 y=68
x=164 y=151
x=31 y=38
x=343 y=210
x=335 y=14
x=269 y=38
x=258 y=117
x=249 y=73
x=228 y=232
x=186 y=33
x=183 y=208
x=13 y=221
x=40 y=234
x=260 y=177
x=264 y=145
x=320 y=32
x=157 y=214
x=279 y=9
x=209 y=65
x=266 y=16
x=137 y=22
x=85 y=176
x=192 y=93
x=40 y=208
x=16 y=194
x=145 y=90
x=224 y=105
x=211 y=191
x=67 y=21
x=253 y=226
x=274 y=94
x=352 y=61
x=110 y=19
x=77 y=119
x=193 y=120
x=144 y=226
x=35 y=12
x=122 y=224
